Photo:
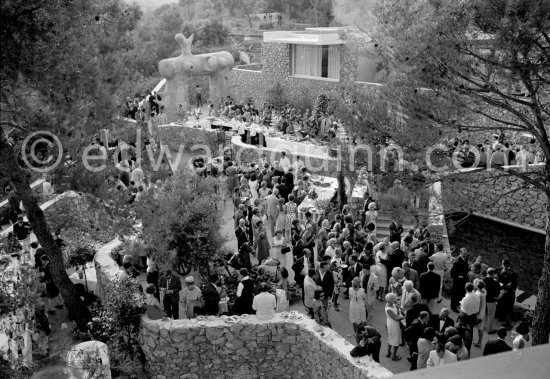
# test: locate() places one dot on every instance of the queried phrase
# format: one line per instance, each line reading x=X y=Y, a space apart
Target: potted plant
x=79 y=257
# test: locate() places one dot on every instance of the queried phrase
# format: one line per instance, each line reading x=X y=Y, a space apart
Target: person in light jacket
x=309 y=291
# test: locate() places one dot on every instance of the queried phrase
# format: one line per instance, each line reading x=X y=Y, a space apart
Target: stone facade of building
x=299 y=91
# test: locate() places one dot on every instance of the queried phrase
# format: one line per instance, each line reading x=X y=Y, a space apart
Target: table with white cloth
x=90 y=278
x=325 y=191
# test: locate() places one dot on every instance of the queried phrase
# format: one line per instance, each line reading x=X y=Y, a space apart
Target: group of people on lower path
x=340 y=255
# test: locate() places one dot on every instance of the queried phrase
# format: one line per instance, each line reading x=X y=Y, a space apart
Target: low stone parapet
x=251 y=348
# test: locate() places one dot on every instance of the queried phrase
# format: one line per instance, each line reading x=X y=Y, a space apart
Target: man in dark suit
x=325 y=279
x=212 y=296
x=459 y=274
x=284 y=191
x=369 y=342
x=170 y=287
x=497 y=346
x=411 y=274
x=396 y=257
x=444 y=321
x=413 y=333
x=289 y=178
x=422 y=258
x=416 y=308
x=429 y=286
x=301 y=266
x=242 y=233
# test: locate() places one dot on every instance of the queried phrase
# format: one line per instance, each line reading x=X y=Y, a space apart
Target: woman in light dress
x=371 y=214
x=396 y=282
x=264 y=192
x=393 y=320
x=479 y=284
x=254 y=186
x=381 y=259
x=278 y=244
x=357 y=309
x=290 y=211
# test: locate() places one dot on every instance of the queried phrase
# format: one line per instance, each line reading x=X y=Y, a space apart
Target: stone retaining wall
x=251 y=350
x=495 y=194
x=254 y=349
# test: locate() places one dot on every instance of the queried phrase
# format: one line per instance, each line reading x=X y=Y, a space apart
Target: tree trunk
x=541 y=317
x=17 y=175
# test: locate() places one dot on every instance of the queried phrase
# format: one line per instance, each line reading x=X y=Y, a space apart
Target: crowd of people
x=342 y=256
x=498 y=150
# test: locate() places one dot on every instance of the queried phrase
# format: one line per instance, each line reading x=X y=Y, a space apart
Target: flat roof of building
x=310 y=36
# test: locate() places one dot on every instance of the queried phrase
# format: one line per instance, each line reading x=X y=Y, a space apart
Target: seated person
x=368 y=343
x=152 y=305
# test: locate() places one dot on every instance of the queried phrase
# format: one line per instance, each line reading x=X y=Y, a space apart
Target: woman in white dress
x=482 y=293
x=286 y=260
x=371 y=214
x=393 y=320
x=281 y=217
x=381 y=268
x=357 y=309
x=254 y=186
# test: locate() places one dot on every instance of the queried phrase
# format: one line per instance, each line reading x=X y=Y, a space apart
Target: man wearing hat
x=170 y=287
x=191 y=297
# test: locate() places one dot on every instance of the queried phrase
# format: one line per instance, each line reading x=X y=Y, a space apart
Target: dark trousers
x=172 y=306
x=457 y=292
x=199 y=100
x=413 y=350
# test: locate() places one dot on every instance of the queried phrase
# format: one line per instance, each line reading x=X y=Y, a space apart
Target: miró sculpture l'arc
x=178 y=70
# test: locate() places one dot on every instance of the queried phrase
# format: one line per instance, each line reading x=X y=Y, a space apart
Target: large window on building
x=316 y=61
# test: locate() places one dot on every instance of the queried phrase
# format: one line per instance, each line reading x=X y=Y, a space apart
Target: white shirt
x=240 y=286
x=470 y=303
x=47 y=189
x=434 y=359
x=264 y=304
x=440 y=260
x=298 y=165
x=284 y=163
x=253 y=128
x=330 y=251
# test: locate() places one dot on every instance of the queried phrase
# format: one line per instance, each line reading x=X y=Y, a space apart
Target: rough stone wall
x=257 y=349
x=300 y=92
x=495 y=194
x=179 y=136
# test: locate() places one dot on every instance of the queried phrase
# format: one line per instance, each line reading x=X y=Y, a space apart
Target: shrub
x=116 y=322
x=266 y=26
